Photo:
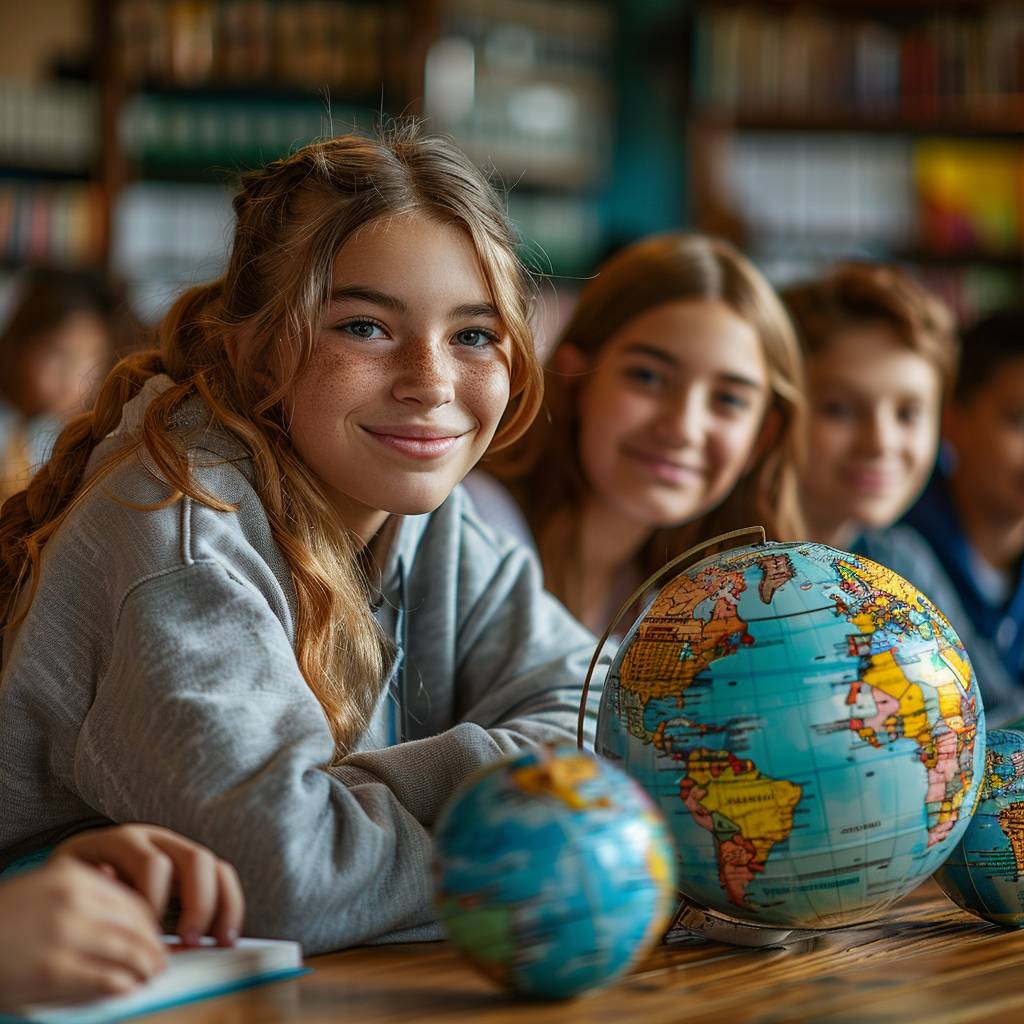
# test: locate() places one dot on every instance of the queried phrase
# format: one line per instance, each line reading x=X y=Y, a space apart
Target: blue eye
x=732 y=400
x=645 y=376
x=476 y=337
x=362 y=329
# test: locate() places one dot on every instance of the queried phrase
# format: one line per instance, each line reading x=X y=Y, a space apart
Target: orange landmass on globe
x=776 y=571
x=748 y=813
x=560 y=777
x=1011 y=821
x=673 y=646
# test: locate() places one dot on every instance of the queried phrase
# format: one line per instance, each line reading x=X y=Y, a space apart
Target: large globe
x=985 y=873
x=810 y=725
x=553 y=871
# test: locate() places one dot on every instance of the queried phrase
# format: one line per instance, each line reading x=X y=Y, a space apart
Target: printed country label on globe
x=810 y=725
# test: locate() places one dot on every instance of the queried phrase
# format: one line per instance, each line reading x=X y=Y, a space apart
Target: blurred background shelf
x=803 y=131
x=864 y=130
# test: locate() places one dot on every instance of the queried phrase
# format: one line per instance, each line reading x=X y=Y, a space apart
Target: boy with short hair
x=881 y=355
x=972 y=513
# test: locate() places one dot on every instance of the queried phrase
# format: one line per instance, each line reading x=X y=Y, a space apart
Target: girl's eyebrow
x=383 y=299
x=371 y=295
x=670 y=360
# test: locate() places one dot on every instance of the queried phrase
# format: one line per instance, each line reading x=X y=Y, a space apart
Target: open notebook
x=191 y=974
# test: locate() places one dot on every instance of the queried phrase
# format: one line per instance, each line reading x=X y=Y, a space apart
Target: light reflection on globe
x=985 y=873
x=810 y=725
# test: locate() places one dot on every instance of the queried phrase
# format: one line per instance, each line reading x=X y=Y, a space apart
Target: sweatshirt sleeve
x=520 y=666
x=203 y=723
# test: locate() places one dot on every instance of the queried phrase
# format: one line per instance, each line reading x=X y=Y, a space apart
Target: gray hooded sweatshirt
x=154 y=679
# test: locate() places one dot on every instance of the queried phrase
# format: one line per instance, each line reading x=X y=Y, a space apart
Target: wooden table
x=926 y=962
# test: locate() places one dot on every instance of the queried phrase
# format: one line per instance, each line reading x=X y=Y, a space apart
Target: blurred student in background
x=672 y=414
x=972 y=513
x=54 y=350
x=881 y=355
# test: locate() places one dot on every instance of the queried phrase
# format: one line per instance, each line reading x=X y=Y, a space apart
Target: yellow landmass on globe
x=747 y=812
x=899 y=710
x=560 y=777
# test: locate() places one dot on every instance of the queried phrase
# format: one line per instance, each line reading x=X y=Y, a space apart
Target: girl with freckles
x=672 y=414
x=244 y=598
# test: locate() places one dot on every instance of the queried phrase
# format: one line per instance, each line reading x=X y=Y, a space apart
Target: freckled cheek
x=485 y=393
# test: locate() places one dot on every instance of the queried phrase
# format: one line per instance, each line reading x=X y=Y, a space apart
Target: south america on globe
x=810 y=725
x=985 y=872
x=553 y=872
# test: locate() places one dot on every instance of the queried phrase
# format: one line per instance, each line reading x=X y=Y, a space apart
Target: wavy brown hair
x=292 y=217
x=852 y=295
x=544 y=469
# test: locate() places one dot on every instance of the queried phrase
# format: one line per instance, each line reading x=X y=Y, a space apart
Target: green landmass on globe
x=811 y=714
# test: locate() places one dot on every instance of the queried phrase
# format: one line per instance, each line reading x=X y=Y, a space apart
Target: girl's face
x=62 y=370
x=410 y=375
x=671 y=412
x=873 y=430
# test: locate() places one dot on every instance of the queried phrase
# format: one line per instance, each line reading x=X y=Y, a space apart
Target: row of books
x=174 y=133
x=53 y=125
x=297 y=42
x=523 y=86
x=938 y=195
x=760 y=59
x=44 y=223
x=532 y=34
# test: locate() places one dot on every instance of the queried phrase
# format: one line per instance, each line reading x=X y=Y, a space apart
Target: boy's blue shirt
x=935 y=517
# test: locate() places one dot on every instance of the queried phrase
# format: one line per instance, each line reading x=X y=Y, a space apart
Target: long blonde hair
x=544 y=469
x=292 y=217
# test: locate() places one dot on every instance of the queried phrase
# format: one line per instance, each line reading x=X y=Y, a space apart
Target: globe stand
x=689 y=556
x=717 y=927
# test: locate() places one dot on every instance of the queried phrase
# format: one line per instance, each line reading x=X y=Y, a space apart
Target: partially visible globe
x=985 y=873
x=809 y=724
x=553 y=872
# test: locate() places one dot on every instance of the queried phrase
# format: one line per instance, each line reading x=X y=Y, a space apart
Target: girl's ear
x=569 y=361
x=767 y=438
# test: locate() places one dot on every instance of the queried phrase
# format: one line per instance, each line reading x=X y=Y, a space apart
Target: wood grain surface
x=926 y=961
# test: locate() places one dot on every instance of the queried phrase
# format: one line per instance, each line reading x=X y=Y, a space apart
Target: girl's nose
x=425 y=377
x=683 y=419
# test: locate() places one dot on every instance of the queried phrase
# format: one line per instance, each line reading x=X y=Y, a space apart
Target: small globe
x=985 y=872
x=810 y=725
x=553 y=871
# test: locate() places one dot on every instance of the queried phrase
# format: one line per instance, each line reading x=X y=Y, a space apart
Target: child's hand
x=150 y=859
x=68 y=933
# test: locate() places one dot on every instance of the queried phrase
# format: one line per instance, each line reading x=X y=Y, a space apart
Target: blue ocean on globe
x=985 y=873
x=810 y=725
x=553 y=871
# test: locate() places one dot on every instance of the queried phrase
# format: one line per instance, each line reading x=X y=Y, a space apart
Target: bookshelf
x=129 y=162
x=863 y=129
